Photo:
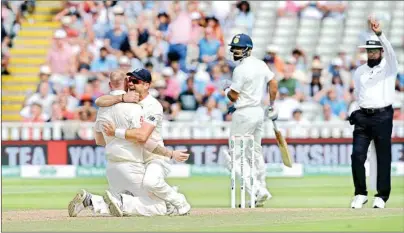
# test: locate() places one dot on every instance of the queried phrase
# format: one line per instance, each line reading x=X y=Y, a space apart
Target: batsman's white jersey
x=125 y=168
x=250 y=79
x=157 y=167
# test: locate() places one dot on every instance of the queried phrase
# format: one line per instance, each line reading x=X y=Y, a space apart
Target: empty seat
x=266 y=14
x=358 y=4
x=185 y=116
x=379 y=5
x=262 y=23
x=268 y=4
x=288 y=23
x=308 y=32
x=260 y=32
x=312 y=23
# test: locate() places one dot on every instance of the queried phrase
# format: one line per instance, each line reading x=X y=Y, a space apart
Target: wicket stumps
x=244 y=141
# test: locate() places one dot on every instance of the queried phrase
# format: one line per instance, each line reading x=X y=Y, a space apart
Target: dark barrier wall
x=203 y=152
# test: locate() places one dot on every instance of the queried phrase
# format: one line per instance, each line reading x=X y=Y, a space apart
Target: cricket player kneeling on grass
x=125 y=167
x=250 y=79
x=157 y=167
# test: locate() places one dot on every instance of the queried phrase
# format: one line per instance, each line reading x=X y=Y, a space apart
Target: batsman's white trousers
x=154 y=181
x=249 y=120
x=127 y=177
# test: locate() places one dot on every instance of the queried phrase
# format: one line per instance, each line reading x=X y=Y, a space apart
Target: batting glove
x=231 y=109
x=272 y=113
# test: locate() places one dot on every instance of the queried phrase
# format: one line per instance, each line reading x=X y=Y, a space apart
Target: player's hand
x=272 y=113
x=180 y=155
x=131 y=97
x=375 y=25
x=109 y=129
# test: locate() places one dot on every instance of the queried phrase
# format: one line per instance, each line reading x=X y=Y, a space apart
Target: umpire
x=374 y=92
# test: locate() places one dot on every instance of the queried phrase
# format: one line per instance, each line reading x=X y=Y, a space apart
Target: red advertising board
x=203 y=151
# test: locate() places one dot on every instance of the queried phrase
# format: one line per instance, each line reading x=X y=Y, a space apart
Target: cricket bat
x=283 y=147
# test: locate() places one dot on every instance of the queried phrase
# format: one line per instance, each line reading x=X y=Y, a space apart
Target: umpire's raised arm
x=389 y=54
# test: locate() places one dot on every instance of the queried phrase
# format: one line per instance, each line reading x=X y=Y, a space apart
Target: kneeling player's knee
x=150 y=183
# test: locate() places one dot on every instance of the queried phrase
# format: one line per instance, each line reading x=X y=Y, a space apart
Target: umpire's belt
x=375 y=110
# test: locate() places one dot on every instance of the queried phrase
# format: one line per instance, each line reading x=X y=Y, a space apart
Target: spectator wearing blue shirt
x=338 y=106
x=199 y=85
x=400 y=82
x=244 y=17
x=104 y=63
x=208 y=46
x=116 y=36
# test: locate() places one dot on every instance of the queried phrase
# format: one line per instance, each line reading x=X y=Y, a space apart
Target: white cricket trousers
x=124 y=178
x=250 y=120
x=154 y=181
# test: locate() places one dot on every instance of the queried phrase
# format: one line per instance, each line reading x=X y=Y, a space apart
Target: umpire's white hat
x=372 y=42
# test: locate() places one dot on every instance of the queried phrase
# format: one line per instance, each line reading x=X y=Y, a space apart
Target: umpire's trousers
x=371 y=125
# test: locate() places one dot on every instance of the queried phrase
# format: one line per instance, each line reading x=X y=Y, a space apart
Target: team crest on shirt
x=151 y=118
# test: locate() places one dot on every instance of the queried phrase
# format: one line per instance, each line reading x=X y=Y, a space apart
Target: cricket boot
x=358 y=201
x=379 y=203
x=114 y=204
x=171 y=210
x=81 y=201
x=183 y=209
x=262 y=196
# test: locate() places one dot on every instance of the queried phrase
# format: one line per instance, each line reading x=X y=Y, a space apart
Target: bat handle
x=275 y=126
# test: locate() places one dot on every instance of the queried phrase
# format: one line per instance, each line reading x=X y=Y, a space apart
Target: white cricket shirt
x=153 y=114
x=124 y=116
x=374 y=87
x=250 y=79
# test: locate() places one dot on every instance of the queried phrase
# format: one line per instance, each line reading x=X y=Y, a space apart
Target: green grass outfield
x=298 y=204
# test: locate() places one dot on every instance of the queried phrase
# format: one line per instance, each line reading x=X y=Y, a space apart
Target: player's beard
x=374 y=62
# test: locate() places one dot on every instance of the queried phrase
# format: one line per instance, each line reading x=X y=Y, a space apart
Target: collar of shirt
x=117 y=92
x=145 y=100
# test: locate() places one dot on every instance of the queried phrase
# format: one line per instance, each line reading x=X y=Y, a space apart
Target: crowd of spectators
x=184 y=47
x=12 y=15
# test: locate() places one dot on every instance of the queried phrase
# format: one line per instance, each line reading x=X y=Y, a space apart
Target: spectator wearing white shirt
x=311 y=10
x=334 y=9
x=244 y=16
x=42 y=96
x=298 y=125
x=209 y=111
x=328 y=115
x=286 y=105
x=35 y=115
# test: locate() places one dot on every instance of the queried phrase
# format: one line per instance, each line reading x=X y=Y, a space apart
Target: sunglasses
x=134 y=81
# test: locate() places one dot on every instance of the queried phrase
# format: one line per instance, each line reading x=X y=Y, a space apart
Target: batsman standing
x=374 y=92
x=251 y=77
